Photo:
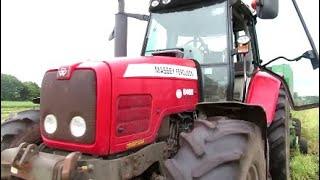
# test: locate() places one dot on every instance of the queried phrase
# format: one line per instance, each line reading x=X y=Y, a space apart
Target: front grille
x=67 y=99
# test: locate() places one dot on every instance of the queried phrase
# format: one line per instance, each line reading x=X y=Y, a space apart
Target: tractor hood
x=108 y=107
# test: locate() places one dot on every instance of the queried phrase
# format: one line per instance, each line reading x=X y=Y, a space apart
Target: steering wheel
x=203 y=47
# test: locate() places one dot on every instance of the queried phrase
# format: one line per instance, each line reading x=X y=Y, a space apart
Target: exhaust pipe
x=120 y=31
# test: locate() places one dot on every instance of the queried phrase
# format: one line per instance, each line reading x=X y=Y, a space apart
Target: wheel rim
x=253 y=173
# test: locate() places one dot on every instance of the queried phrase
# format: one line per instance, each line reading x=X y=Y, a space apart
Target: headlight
x=155 y=3
x=166 y=1
x=78 y=126
x=50 y=124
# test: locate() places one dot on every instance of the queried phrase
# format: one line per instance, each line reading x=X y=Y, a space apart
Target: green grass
x=8 y=107
x=303 y=167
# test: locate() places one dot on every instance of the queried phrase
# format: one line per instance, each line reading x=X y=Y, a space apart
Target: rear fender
x=264 y=91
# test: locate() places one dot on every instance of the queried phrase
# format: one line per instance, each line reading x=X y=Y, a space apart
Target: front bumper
x=27 y=162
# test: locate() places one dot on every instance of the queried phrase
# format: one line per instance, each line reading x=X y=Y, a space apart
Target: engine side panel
x=144 y=92
x=264 y=90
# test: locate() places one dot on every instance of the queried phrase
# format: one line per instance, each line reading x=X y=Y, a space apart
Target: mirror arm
x=141 y=17
x=281 y=57
x=306 y=29
x=111 y=36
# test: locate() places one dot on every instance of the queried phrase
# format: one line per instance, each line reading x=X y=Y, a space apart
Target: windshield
x=202 y=33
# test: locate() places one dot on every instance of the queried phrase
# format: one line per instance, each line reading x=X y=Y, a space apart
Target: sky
x=37 y=35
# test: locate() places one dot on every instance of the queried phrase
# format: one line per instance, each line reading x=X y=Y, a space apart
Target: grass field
x=303 y=167
x=8 y=107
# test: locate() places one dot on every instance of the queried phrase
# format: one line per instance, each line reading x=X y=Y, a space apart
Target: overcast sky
x=40 y=34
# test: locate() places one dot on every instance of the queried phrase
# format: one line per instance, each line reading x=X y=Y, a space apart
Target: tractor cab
x=221 y=36
x=206 y=32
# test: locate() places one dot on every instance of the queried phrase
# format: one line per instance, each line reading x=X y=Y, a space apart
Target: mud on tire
x=219 y=148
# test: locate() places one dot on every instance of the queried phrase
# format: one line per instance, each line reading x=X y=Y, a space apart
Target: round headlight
x=78 y=126
x=50 y=124
x=155 y=3
x=166 y=1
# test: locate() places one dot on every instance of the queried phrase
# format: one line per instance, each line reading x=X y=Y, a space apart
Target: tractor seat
x=213 y=57
x=238 y=68
x=238 y=80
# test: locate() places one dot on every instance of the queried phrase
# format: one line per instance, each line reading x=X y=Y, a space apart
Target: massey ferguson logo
x=184 y=92
x=63 y=72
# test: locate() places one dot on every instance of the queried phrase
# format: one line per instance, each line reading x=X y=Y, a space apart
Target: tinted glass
x=202 y=33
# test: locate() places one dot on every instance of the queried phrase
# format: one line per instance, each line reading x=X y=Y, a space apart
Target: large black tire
x=30 y=135
x=29 y=131
x=279 y=140
x=219 y=148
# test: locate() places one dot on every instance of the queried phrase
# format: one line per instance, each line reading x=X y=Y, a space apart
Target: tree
x=14 y=90
x=30 y=90
x=10 y=88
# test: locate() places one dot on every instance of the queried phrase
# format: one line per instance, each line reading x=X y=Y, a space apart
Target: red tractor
x=198 y=104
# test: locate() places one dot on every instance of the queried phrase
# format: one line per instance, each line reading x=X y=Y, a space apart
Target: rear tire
x=278 y=137
x=219 y=149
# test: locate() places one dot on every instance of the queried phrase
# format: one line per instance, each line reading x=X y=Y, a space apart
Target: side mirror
x=314 y=60
x=266 y=9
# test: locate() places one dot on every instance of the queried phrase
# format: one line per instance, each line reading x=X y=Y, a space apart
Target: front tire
x=28 y=131
x=219 y=148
